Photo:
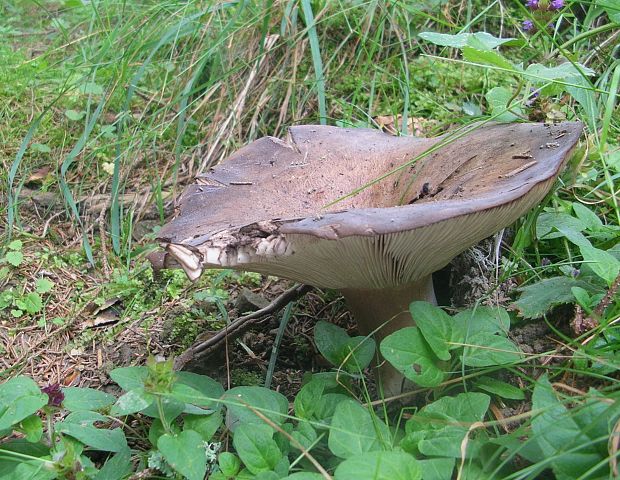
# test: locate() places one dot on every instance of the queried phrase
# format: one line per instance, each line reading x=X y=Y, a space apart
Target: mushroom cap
x=419 y=202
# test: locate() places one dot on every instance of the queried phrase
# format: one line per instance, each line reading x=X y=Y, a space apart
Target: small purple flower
x=528 y=25
x=556 y=4
x=545 y=262
x=54 y=394
x=533 y=4
x=575 y=273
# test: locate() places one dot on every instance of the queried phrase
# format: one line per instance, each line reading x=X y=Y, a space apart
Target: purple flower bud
x=528 y=25
x=54 y=394
x=575 y=273
x=533 y=4
x=556 y=4
x=545 y=262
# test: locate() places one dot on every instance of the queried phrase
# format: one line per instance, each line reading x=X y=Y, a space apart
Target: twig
x=206 y=348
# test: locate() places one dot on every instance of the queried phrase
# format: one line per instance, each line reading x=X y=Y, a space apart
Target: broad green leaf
x=485 y=350
x=256 y=447
x=305 y=434
x=379 y=466
x=208 y=387
x=269 y=403
x=116 y=467
x=15 y=258
x=131 y=402
x=486 y=41
x=536 y=299
x=556 y=432
x=30 y=302
x=32 y=427
x=548 y=221
x=564 y=72
x=205 y=425
x=74 y=115
x=186 y=394
x=587 y=216
x=479 y=320
x=487 y=57
x=498 y=98
x=20 y=397
x=170 y=407
x=91 y=88
x=229 y=463
x=305 y=476
x=15 y=245
x=479 y=40
x=40 y=147
x=129 y=378
x=435 y=326
x=499 y=388
x=437 y=468
x=352 y=354
x=409 y=353
x=79 y=425
x=604 y=264
x=612 y=8
x=185 y=453
x=43 y=285
x=354 y=431
x=86 y=399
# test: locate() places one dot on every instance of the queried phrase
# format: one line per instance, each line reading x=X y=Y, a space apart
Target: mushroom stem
x=382 y=312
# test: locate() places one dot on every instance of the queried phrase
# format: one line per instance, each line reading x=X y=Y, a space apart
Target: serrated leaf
x=184 y=453
x=409 y=353
x=30 y=302
x=14 y=257
x=15 y=245
x=379 y=466
x=256 y=447
x=435 y=326
x=354 y=431
x=43 y=285
x=538 y=298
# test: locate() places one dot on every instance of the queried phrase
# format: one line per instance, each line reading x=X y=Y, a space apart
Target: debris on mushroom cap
x=263 y=209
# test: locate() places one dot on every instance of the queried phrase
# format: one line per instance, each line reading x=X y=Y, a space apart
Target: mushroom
x=363 y=212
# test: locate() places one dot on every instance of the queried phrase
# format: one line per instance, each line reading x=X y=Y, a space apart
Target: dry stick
x=240 y=325
x=292 y=439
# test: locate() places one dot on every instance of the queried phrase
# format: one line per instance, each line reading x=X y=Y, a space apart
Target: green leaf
x=184 y=453
x=435 y=325
x=209 y=388
x=20 y=397
x=379 y=466
x=479 y=40
x=256 y=447
x=74 y=115
x=305 y=434
x=43 y=285
x=15 y=245
x=15 y=258
x=116 y=467
x=205 y=425
x=556 y=432
x=499 y=388
x=271 y=404
x=487 y=57
x=565 y=72
x=229 y=463
x=587 y=216
x=603 y=264
x=91 y=88
x=485 y=350
x=409 y=353
x=129 y=378
x=305 y=476
x=86 y=399
x=40 y=147
x=498 y=98
x=131 y=402
x=470 y=322
x=437 y=468
x=538 y=298
x=354 y=431
x=30 y=302
x=79 y=425
x=32 y=427
x=352 y=354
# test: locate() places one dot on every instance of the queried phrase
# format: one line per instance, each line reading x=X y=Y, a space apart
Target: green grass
x=121 y=97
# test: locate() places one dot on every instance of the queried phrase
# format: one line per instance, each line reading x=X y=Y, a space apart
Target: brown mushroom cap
x=263 y=209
